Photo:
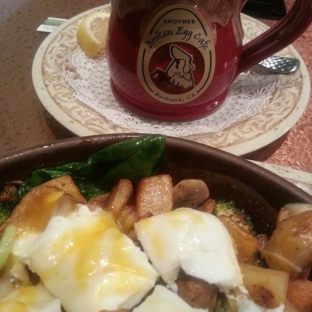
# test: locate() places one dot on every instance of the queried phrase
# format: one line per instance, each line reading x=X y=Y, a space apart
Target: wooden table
x=25 y=123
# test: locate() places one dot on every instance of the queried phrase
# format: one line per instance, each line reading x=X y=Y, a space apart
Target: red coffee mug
x=175 y=60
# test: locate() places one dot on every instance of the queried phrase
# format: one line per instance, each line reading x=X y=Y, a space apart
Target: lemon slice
x=92 y=32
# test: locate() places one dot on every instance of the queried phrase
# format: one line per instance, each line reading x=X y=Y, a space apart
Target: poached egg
x=84 y=260
x=29 y=298
x=164 y=300
x=195 y=241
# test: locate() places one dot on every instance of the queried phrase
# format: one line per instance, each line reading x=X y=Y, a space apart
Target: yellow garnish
x=92 y=33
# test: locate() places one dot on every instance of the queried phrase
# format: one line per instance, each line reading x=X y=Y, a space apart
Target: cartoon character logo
x=180 y=69
x=178 y=75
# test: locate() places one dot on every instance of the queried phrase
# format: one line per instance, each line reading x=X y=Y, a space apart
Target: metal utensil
x=280 y=65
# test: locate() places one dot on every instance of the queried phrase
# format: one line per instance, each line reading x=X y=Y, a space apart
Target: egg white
x=29 y=298
x=245 y=304
x=164 y=300
x=192 y=240
x=89 y=265
x=85 y=261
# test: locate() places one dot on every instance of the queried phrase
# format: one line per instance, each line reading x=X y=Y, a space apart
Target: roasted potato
x=55 y=197
x=119 y=197
x=299 y=294
x=154 y=195
x=246 y=244
x=266 y=287
x=290 y=246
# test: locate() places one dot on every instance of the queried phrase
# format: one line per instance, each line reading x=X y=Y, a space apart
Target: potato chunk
x=154 y=196
x=290 y=246
x=266 y=287
x=299 y=294
x=119 y=197
x=97 y=201
x=55 y=197
x=67 y=185
x=126 y=220
x=246 y=244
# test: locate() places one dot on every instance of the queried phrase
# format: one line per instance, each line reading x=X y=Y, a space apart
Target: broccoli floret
x=239 y=216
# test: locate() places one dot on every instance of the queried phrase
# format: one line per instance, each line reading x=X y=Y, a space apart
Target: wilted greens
x=132 y=159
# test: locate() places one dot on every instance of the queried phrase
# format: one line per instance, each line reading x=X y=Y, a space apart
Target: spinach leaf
x=132 y=159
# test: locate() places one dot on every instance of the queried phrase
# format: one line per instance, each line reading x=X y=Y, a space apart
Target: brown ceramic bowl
x=258 y=191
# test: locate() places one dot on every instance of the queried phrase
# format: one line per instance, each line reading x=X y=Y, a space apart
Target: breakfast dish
x=282 y=112
x=82 y=236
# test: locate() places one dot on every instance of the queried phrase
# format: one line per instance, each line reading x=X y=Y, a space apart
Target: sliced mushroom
x=190 y=193
x=197 y=293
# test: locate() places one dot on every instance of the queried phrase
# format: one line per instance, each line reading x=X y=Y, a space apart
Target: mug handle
x=280 y=35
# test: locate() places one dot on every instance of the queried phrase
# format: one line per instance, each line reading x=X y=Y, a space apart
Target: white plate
x=299 y=178
x=285 y=108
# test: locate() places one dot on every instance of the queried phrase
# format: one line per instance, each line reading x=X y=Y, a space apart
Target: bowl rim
x=231 y=159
